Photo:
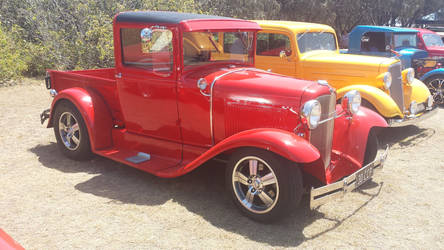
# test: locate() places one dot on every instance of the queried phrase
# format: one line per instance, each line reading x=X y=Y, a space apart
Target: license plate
x=363 y=176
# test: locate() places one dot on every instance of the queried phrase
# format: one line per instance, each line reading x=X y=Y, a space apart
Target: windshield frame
x=318 y=32
x=250 y=52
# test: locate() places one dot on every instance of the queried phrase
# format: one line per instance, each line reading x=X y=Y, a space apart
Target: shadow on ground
x=402 y=137
x=201 y=192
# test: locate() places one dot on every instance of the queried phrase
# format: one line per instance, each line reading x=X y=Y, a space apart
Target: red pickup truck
x=184 y=91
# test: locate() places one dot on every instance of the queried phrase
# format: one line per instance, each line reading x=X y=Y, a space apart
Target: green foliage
x=13 y=62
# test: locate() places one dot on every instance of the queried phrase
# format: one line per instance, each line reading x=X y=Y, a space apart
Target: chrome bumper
x=412 y=120
x=324 y=194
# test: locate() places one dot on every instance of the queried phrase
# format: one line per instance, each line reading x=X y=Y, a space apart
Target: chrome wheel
x=436 y=87
x=255 y=184
x=69 y=131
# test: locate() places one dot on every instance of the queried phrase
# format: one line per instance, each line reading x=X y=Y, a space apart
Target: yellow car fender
x=383 y=103
x=416 y=91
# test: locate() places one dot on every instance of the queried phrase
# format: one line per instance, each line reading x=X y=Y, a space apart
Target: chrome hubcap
x=255 y=184
x=69 y=131
x=437 y=90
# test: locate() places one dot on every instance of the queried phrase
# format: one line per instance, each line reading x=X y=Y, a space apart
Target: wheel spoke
x=249 y=198
x=266 y=199
x=268 y=179
x=253 y=167
x=68 y=120
x=239 y=177
x=75 y=139
x=62 y=127
x=75 y=128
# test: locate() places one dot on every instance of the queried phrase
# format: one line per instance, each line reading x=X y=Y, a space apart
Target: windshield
x=309 y=41
x=432 y=40
x=404 y=40
x=200 y=48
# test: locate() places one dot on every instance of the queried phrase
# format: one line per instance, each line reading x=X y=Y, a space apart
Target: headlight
x=408 y=75
x=387 y=80
x=413 y=108
x=351 y=101
x=311 y=111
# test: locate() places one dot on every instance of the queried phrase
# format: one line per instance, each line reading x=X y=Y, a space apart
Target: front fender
x=416 y=91
x=281 y=142
x=431 y=73
x=350 y=141
x=94 y=111
x=383 y=103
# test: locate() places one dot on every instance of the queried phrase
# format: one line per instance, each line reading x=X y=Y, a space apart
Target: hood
x=257 y=87
x=342 y=69
x=436 y=51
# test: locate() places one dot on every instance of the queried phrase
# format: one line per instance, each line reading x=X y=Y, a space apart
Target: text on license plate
x=363 y=176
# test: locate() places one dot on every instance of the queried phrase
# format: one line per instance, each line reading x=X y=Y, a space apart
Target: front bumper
x=324 y=194
x=411 y=120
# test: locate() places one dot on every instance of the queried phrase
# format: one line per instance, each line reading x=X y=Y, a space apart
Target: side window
x=237 y=42
x=373 y=41
x=271 y=44
x=150 y=49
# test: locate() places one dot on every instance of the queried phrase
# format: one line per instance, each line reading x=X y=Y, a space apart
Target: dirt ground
x=50 y=202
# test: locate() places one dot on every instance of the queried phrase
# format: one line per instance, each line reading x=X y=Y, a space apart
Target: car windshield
x=201 y=48
x=309 y=41
x=432 y=40
x=404 y=40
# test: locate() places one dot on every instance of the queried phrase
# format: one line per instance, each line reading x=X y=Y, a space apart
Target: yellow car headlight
x=408 y=75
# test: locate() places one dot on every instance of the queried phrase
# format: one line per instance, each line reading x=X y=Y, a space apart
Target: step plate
x=139 y=158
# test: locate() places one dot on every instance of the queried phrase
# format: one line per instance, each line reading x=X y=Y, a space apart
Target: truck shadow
x=402 y=137
x=201 y=192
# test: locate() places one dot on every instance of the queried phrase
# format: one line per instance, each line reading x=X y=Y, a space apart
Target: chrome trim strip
x=412 y=120
x=324 y=194
x=211 y=94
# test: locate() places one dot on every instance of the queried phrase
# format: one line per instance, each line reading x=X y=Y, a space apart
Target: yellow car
x=310 y=51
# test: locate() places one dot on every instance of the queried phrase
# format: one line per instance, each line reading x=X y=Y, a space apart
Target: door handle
x=118 y=75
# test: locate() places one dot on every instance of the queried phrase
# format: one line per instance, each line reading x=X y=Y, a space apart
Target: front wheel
x=263 y=185
x=436 y=87
x=71 y=133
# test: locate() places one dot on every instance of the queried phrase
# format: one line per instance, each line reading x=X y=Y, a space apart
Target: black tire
x=368 y=105
x=287 y=190
x=76 y=147
x=436 y=85
x=372 y=147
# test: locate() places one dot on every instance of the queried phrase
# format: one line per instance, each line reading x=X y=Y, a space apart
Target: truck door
x=268 y=53
x=146 y=82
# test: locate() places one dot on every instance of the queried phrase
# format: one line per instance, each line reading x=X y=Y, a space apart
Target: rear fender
x=431 y=73
x=283 y=143
x=383 y=103
x=350 y=140
x=94 y=111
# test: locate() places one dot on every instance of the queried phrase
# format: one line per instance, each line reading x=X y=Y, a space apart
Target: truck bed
x=102 y=81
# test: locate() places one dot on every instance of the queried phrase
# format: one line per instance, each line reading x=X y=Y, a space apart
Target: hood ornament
x=325 y=83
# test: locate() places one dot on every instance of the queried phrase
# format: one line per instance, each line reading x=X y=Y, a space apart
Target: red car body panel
x=434 y=51
x=129 y=110
x=8 y=243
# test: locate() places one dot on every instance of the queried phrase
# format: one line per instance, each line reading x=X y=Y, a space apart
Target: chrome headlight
x=311 y=111
x=413 y=108
x=351 y=101
x=410 y=76
x=387 y=80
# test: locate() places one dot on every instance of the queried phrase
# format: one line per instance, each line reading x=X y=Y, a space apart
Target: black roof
x=161 y=17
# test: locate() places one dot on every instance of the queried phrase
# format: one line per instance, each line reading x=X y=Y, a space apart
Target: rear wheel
x=436 y=87
x=263 y=185
x=71 y=133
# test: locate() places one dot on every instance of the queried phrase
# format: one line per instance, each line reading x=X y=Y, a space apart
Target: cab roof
x=369 y=28
x=188 y=21
x=294 y=26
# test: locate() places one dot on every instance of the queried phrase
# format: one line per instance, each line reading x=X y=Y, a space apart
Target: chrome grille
x=396 y=90
x=322 y=136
